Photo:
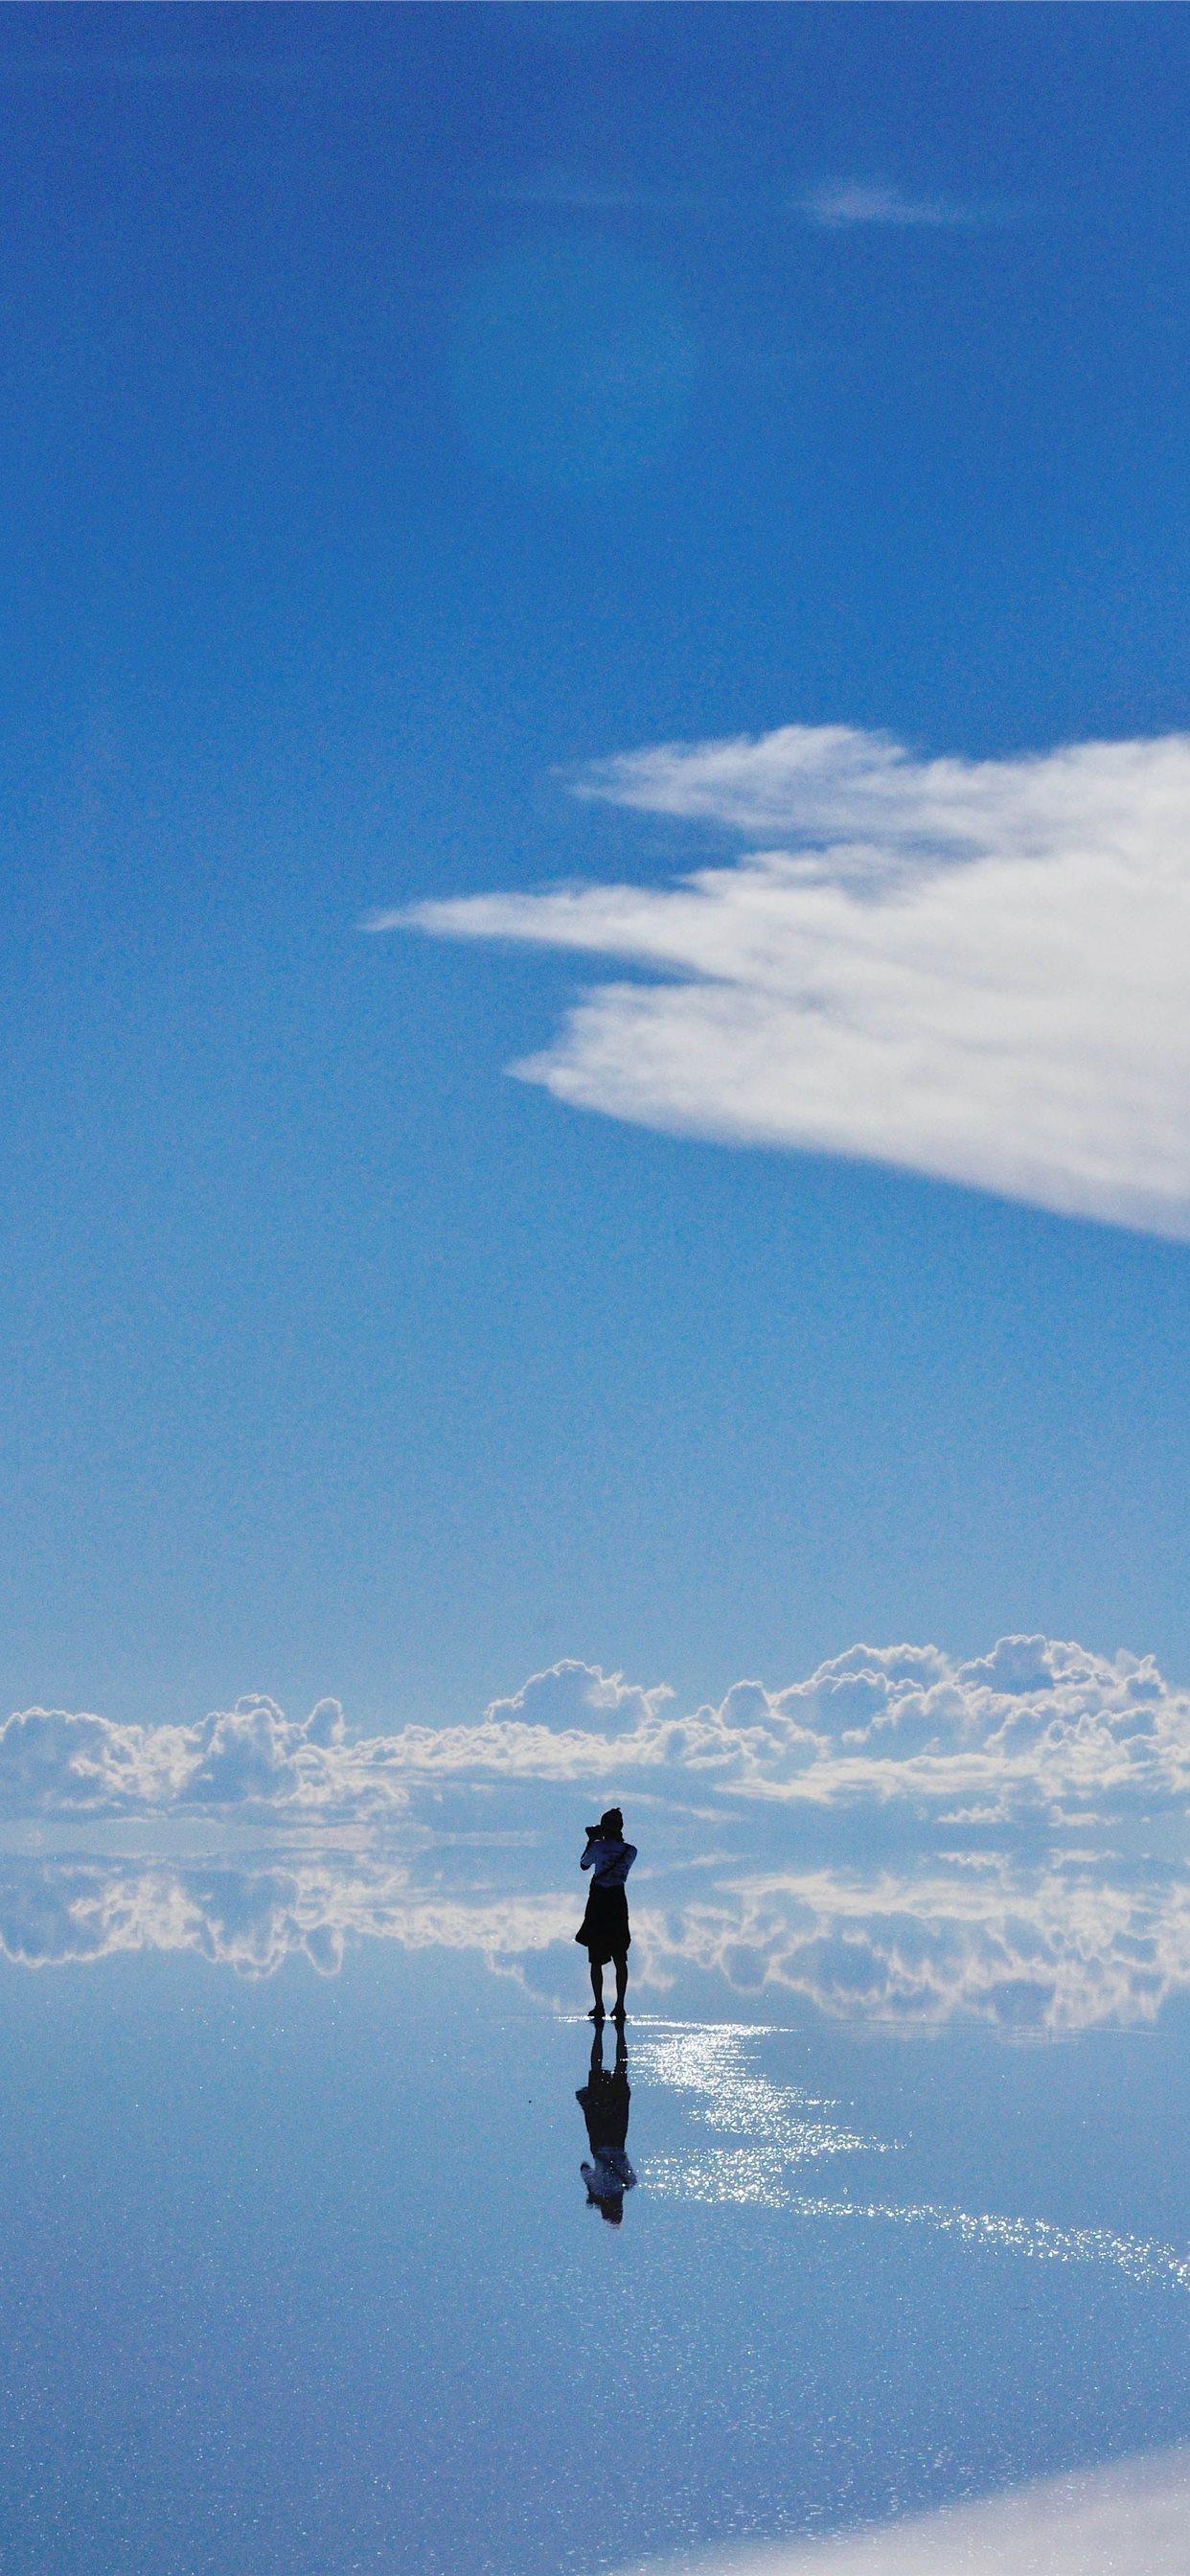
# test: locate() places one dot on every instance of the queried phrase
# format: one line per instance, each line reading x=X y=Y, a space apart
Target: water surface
x=300 y=2270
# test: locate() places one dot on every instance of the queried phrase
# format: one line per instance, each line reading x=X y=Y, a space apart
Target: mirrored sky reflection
x=303 y=2265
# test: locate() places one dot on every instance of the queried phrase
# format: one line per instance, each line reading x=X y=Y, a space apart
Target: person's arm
x=588 y=1858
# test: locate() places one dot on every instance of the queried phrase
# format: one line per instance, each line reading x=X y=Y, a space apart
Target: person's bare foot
x=597 y=2013
x=619 y=2014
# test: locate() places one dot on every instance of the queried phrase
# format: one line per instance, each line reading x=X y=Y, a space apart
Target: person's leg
x=621 y=1985
x=597 y=1989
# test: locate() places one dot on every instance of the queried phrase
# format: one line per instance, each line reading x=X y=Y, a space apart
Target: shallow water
x=300 y=2270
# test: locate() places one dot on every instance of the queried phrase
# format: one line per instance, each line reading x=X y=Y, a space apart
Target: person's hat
x=611 y=1822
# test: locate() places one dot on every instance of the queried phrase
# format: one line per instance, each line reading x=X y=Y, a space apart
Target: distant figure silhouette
x=604 y=1932
x=604 y=2101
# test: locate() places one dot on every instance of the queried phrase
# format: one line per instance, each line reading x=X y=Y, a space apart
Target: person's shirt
x=609 y=2177
x=610 y=1858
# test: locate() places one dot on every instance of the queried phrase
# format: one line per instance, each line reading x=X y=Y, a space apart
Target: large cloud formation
x=59 y=1762
x=972 y=969
x=1036 y=1731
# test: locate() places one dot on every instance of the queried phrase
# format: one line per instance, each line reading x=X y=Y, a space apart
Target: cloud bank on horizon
x=1037 y=1731
x=975 y=970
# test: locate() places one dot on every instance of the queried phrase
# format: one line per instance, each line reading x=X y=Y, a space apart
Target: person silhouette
x=603 y=2101
x=603 y=1932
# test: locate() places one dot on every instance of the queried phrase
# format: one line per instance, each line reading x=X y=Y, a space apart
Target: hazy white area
x=1133 y=2520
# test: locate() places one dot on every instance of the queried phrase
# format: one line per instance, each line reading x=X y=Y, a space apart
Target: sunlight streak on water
x=1032 y=2237
x=781 y=2128
x=780 y=2125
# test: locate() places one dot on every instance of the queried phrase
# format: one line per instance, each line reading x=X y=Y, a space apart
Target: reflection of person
x=604 y=2101
x=604 y=1932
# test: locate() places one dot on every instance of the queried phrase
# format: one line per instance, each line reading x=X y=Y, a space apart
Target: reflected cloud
x=1060 y=1947
x=252 y=1916
x=1132 y=2516
x=1063 y=1946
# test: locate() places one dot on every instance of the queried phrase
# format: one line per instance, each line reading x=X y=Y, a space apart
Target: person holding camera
x=603 y=1932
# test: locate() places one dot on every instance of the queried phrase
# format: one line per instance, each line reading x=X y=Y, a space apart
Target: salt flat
x=301 y=2269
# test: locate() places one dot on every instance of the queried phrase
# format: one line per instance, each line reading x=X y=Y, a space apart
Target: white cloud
x=975 y=970
x=60 y=1762
x=579 y=1696
x=1037 y=1730
x=842 y=202
x=1085 y=2523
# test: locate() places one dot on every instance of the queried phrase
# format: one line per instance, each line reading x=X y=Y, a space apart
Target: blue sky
x=401 y=412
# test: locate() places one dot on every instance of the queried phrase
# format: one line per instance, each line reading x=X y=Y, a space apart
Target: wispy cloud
x=833 y=205
x=975 y=970
x=843 y=202
x=1037 y=1731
